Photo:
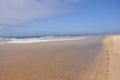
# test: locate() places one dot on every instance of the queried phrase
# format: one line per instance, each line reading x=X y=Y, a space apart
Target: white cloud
x=14 y=12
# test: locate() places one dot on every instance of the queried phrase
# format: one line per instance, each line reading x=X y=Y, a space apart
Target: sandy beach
x=112 y=48
x=57 y=60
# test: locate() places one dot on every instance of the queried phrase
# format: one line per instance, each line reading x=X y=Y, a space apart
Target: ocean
x=38 y=39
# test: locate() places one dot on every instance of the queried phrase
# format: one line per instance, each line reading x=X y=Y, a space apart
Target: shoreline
x=59 y=60
x=37 y=40
x=102 y=66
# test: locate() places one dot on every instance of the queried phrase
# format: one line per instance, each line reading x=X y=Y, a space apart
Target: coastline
x=110 y=67
x=40 y=39
x=59 y=60
x=99 y=72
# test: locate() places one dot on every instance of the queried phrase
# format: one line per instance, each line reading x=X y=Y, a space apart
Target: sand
x=112 y=44
x=61 y=60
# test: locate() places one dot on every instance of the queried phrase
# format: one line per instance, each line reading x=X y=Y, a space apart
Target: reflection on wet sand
x=48 y=60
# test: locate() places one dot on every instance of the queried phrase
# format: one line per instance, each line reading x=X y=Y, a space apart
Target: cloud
x=13 y=12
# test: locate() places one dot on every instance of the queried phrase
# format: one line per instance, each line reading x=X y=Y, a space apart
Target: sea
x=34 y=39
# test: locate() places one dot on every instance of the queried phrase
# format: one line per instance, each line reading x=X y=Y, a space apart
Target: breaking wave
x=39 y=39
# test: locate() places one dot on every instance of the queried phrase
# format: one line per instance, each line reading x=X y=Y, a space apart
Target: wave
x=39 y=39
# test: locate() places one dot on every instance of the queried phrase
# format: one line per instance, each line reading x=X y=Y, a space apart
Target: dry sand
x=63 y=60
x=112 y=47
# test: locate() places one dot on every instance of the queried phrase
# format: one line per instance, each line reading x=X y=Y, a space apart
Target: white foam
x=42 y=40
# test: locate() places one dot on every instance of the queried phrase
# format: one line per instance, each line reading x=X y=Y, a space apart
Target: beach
x=79 y=59
x=112 y=49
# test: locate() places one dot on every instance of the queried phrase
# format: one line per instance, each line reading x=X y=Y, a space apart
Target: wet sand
x=58 y=60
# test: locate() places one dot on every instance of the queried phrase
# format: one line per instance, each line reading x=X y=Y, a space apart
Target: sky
x=59 y=17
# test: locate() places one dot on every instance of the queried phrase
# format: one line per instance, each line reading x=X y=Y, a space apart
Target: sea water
x=38 y=39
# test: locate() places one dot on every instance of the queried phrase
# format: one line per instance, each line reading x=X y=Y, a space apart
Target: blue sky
x=76 y=17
